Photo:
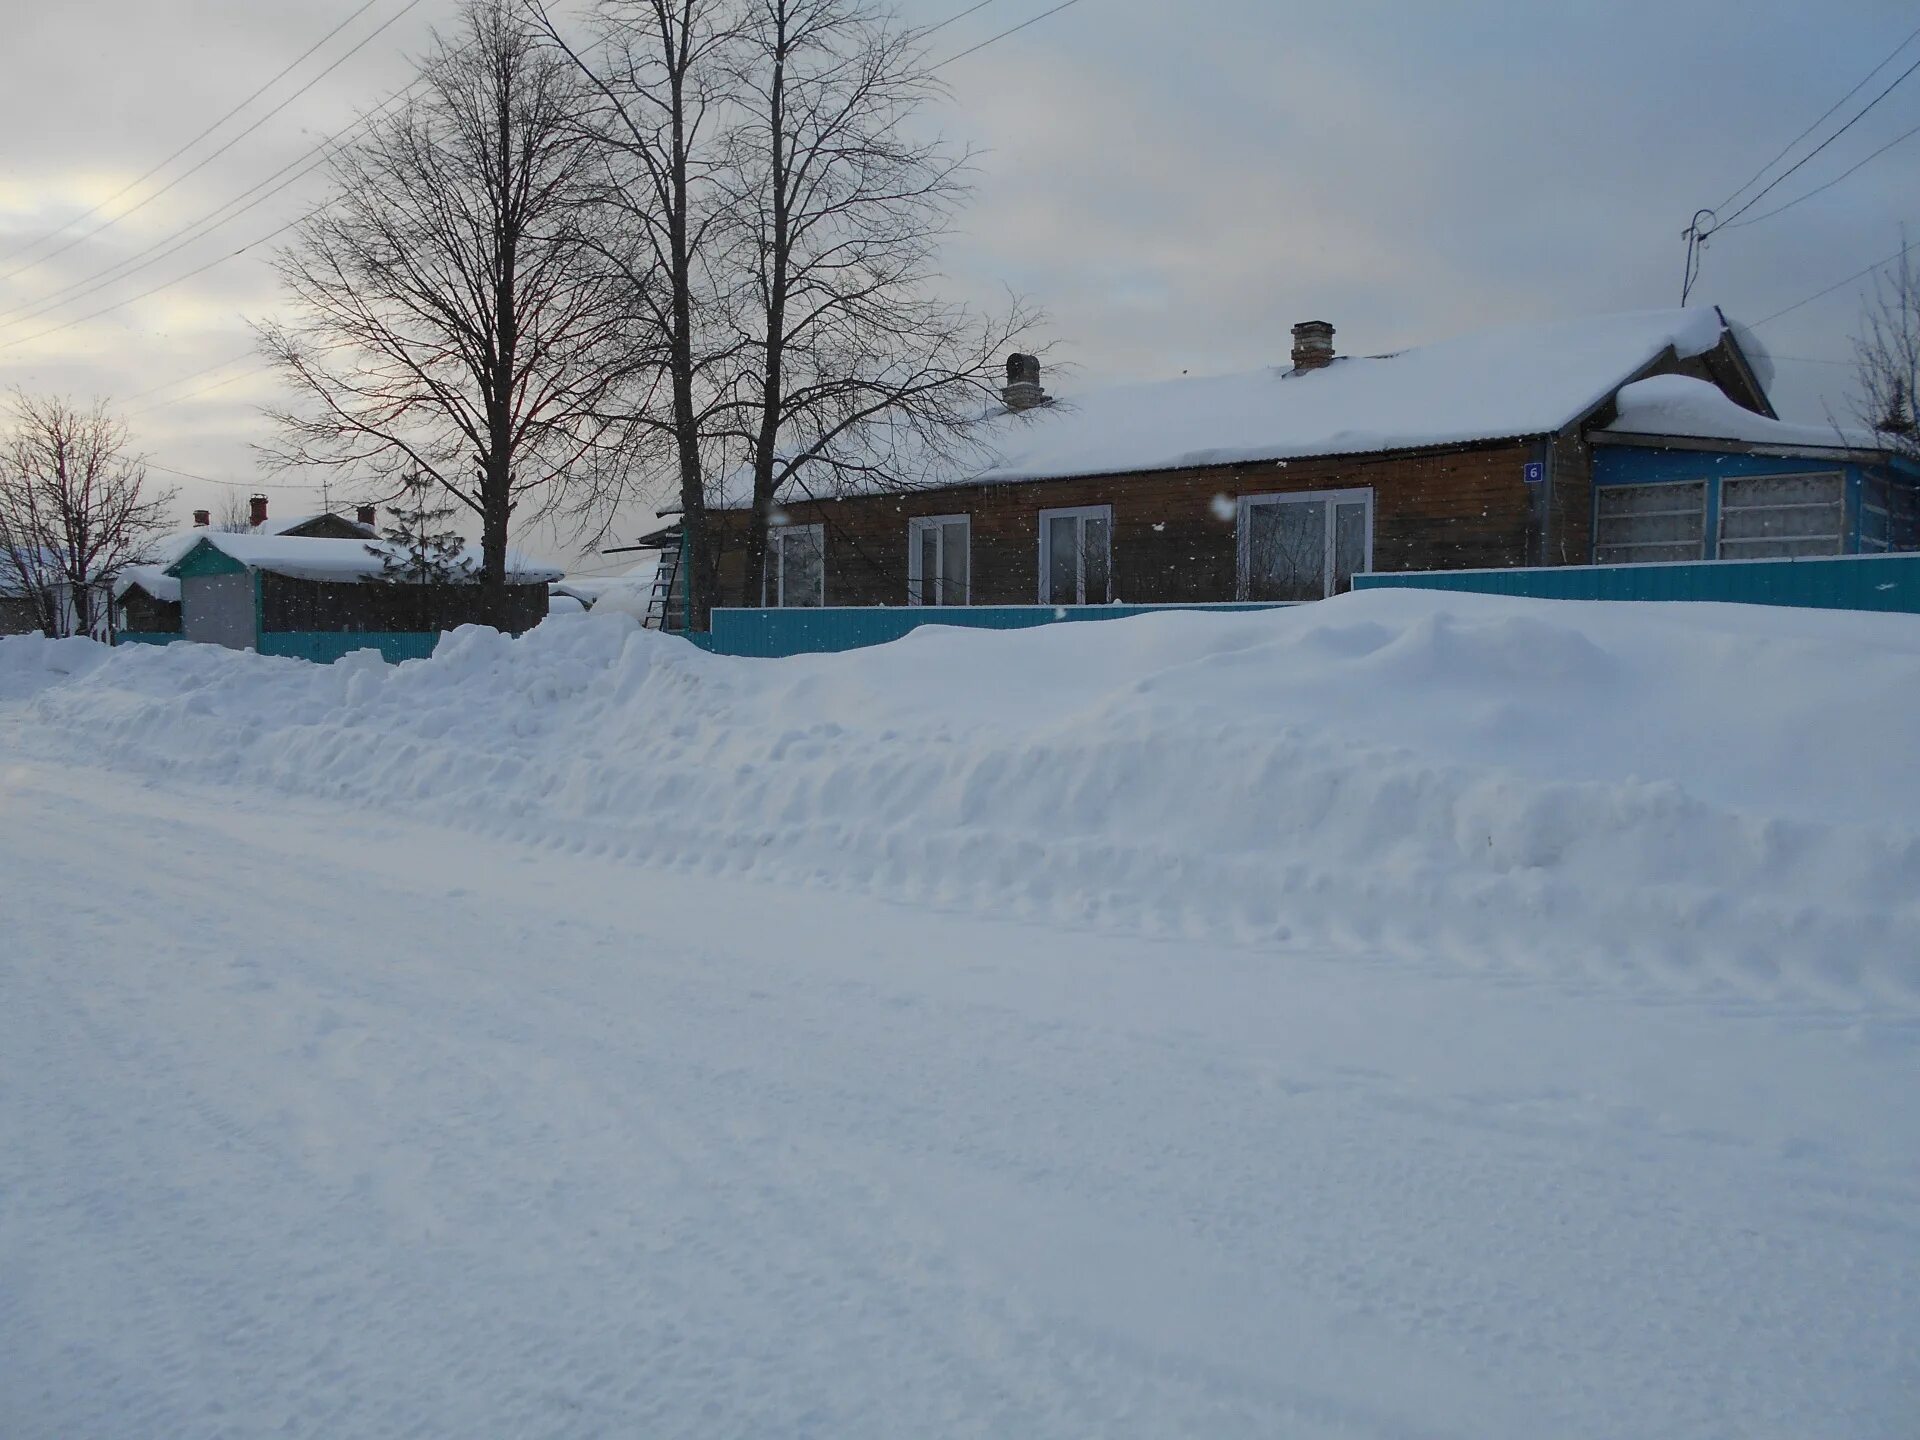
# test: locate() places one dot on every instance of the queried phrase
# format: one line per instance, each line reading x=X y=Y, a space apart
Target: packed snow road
x=317 y=1120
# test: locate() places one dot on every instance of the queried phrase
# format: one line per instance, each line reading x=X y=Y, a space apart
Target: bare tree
x=656 y=71
x=234 y=515
x=74 y=508
x=1887 y=373
x=455 y=317
x=853 y=367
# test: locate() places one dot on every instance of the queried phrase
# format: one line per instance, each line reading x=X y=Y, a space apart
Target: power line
x=142 y=179
x=190 y=375
x=205 y=225
x=246 y=374
x=1860 y=85
x=995 y=39
x=1860 y=114
x=209 y=159
x=1742 y=224
x=952 y=19
x=230 y=484
x=155 y=290
x=1821 y=294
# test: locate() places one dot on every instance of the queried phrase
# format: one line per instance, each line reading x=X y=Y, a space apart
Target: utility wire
x=142 y=179
x=164 y=285
x=281 y=230
x=246 y=374
x=1860 y=114
x=205 y=225
x=230 y=484
x=1821 y=294
x=1768 y=215
x=952 y=19
x=201 y=164
x=1858 y=87
x=994 y=39
x=190 y=375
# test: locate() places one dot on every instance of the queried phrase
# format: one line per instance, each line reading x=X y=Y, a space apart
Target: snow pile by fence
x=1719 y=798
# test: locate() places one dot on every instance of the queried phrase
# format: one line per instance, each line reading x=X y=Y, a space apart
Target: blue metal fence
x=770 y=634
x=1848 y=582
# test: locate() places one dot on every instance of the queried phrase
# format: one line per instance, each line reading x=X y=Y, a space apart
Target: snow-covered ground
x=1404 y=1016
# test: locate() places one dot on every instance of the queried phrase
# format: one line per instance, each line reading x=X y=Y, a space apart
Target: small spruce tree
x=419 y=551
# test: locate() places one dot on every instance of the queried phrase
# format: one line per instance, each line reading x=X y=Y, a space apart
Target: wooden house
x=146 y=599
x=1276 y=485
x=316 y=599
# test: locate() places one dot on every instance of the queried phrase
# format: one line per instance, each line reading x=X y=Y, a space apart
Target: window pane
x=802 y=566
x=1766 y=515
x=1287 y=550
x=954 y=561
x=1098 y=560
x=1640 y=523
x=1063 y=560
x=1349 y=544
x=927 y=584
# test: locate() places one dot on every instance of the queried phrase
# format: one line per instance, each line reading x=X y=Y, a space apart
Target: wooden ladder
x=659 y=613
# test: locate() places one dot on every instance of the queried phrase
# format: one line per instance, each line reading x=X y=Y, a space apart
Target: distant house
x=146 y=599
x=20 y=608
x=315 y=598
x=1499 y=449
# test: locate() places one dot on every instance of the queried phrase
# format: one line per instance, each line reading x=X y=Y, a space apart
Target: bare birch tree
x=74 y=508
x=454 y=314
x=853 y=366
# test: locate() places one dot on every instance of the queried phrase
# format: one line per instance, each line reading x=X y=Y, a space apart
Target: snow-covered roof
x=1496 y=384
x=153 y=579
x=1679 y=405
x=590 y=589
x=292 y=523
x=348 y=561
x=160 y=556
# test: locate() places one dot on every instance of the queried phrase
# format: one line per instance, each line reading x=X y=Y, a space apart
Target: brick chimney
x=1312 y=345
x=256 y=510
x=365 y=516
x=202 y=519
x=1022 y=390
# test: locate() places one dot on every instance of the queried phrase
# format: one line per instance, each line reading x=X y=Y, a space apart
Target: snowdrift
x=1721 y=799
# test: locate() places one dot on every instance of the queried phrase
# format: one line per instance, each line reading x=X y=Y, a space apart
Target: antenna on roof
x=1695 y=235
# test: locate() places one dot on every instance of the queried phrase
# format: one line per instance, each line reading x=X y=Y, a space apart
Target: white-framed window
x=796 y=571
x=1763 y=516
x=1076 y=555
x=939 y=560
x=1634 y=524
x=1304 y=546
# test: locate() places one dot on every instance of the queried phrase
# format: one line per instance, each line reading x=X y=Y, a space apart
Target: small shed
x=320 y=599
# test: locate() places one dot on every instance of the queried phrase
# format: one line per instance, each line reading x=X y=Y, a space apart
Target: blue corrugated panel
x=323 y=647
x=145 y=637
x=1849 y=582
x=771 y=634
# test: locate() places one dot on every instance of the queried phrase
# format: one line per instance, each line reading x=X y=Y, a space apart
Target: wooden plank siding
x=1457 y=507
x=288 y=603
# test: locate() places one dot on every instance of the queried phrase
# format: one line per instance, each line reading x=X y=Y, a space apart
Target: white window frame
x=915 y=527
x=1709 y=541
x=1330 y=500
x=773 y=572
x=1082 y=513
x=1721 y=539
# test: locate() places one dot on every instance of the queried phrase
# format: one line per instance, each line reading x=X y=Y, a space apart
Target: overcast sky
x=1174 y=181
